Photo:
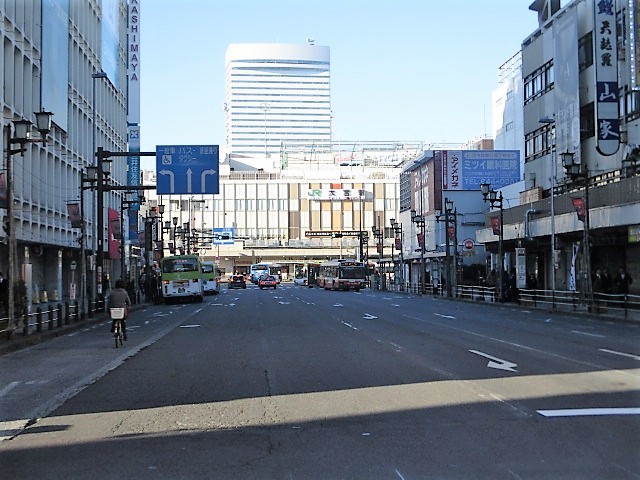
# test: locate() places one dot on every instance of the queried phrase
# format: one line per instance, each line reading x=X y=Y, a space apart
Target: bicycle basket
x=117 y=313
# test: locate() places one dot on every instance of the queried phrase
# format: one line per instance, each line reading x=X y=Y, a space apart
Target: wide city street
x=302 y=383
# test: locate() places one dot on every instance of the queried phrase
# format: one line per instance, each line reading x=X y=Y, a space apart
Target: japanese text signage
x=336 y=194
x=606 y=66
x=187 y=169
x=467 y=169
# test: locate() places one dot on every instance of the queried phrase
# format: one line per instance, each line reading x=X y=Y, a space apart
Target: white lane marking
x=497 y=362
x=395 y=305
x=284 y=303
x=444 y=316
x=349 y=325
x=11 y=428
x=587 y=334
x=189 y=326
x=399 y=474
x=338 y=305
x=581 y=412
x=368 y=316
x=8 y=388
x=396 y=346
x=622 y=354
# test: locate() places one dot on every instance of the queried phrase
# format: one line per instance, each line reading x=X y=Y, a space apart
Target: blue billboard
x=467 y=169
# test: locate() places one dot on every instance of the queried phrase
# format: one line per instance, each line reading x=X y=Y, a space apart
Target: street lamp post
x=554 y=255
x=96 y=280
x=378 y=236
x=18 y=135
x=420 y=223
x=103 y=168
x=398 y=234
x=490 y=195
x=88 y=182
x=579 y=172
x=450 y=217
x=125 y=204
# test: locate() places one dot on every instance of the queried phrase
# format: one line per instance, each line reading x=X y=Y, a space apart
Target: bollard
x=76 y=306
x=50 y=315
x=59 y=308
x=67 y=313
x=38 y=319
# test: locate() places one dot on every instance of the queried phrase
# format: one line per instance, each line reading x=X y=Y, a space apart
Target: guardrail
x=51 y=317
x=612 y=305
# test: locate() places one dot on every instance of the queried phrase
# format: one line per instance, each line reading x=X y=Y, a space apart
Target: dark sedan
x=237 y=281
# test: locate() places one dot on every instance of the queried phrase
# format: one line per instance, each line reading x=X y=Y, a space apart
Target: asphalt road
x=302 y=383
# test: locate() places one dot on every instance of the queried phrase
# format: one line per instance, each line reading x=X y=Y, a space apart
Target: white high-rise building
x=277 y=98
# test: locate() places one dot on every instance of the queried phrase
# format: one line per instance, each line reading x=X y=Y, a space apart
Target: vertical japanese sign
x=606 y=66
x=115 y=231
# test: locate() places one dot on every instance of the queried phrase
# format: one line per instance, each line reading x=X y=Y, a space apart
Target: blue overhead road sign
x=223 y=236
x=187 y=169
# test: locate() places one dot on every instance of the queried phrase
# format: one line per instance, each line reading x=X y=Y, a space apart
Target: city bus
x=210 y=277
x=342 y=275
x=181 y=277
x=258 y=269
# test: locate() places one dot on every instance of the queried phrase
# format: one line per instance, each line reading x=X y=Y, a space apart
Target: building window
x=587 y=121
x=538 y=82
x=585 y=51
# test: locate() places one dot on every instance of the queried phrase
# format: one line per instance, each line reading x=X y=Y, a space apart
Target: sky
x=401 y=70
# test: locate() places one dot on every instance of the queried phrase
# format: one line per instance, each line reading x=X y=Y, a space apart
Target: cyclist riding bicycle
x=119 y=298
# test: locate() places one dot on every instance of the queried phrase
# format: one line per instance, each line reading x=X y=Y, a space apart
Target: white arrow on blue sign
x=187 y=169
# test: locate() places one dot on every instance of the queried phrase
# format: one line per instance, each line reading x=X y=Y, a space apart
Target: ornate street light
x=490 y=195
x=398 y=234
x=20 y=135
x=420 y=224
x=450 y=218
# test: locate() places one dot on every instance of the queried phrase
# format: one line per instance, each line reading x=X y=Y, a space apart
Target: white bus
x=342 y=275
x=258 y=269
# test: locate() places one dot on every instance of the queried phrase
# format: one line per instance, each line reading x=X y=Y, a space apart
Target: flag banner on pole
x=495 y=225
x=398 y=243
x=3 y=190
x=420 y=240
x=578 y=204
x=75 y=215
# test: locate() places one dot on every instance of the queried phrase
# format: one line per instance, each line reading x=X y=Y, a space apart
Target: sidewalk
x=18 y=340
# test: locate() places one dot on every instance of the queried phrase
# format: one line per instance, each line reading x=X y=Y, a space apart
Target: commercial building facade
x=68 y=58
x=582 y=127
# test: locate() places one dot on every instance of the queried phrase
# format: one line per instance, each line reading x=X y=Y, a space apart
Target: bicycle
x=118 y=315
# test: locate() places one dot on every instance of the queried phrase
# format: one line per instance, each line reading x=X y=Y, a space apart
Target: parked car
x=237 y=281
x=267 y=281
